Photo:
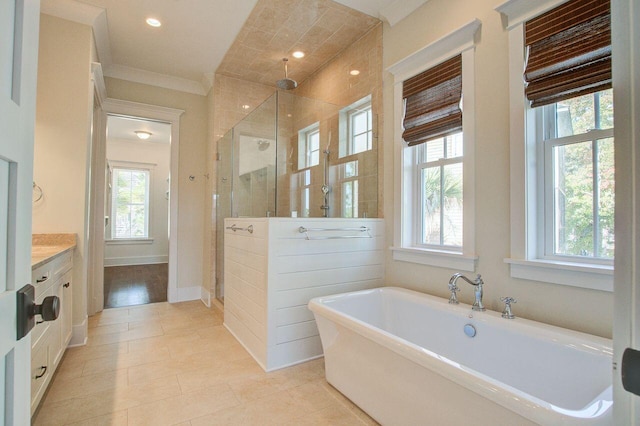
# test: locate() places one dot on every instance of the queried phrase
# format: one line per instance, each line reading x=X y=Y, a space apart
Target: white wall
x=192 y=162
x=62 y=143
x=579 y=309
x=156 y=156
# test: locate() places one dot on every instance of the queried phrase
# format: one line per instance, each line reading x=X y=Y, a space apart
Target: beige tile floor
x=176 y=364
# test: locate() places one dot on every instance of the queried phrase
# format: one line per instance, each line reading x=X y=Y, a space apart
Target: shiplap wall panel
x=293 y=315
x=306 y=263
x=299 y=297
x=328 y=276
x=245 y=278
x=289 y=333
x=279 y=269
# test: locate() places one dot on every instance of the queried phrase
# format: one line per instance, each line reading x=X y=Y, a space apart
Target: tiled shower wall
x=333 y=84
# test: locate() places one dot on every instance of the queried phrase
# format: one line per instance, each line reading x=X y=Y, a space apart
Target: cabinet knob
x=66 y=285
x=43 y=279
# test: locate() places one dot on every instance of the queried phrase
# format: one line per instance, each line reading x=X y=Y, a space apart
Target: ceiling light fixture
x=298 y=54
x=153 y=22
x=144 y=135
x=245 y=106
x=354 y=72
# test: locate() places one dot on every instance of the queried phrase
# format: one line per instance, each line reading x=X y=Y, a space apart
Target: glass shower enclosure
x=296 y=157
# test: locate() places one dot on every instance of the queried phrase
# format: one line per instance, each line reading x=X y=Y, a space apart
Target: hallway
x=176 y=364
x=135 y=285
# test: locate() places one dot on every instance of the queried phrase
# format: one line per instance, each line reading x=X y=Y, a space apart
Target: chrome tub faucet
x=453 y=288
x=477 y=283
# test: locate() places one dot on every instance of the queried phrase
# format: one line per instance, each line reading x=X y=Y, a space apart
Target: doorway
x=137 y=192
x=100 y=226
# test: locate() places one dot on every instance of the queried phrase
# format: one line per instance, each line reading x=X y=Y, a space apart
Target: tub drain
x=469 y=330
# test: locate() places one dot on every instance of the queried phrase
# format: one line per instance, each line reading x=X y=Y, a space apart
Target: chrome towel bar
x=234 y=228
x=306 y=231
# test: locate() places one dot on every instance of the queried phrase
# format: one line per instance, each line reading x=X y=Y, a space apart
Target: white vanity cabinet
x=51 y=277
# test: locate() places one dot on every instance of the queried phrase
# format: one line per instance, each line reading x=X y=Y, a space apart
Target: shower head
x=263 y=144
x=286 y=83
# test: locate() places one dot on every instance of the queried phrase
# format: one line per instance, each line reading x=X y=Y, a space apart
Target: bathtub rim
x=531 y=407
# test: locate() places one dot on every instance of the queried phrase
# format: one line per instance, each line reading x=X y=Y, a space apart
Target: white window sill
x=129 y=241
x=442 y=259
x=595 y=277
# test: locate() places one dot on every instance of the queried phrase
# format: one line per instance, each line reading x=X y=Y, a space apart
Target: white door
x=19 y=20
x=625 y=15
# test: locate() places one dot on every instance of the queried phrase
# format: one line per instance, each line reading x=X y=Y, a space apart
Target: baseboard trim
x=138 y=260
x=79 y=334
x=186 y=294
x=205 y=296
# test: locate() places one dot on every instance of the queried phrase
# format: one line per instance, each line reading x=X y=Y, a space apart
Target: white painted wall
x=62 y=144
x=156 y=156
x=579 y=309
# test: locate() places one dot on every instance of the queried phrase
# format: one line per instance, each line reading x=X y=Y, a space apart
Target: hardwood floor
x=135 y=285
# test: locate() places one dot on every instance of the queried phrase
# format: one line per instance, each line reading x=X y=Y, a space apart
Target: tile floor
x=175 y=364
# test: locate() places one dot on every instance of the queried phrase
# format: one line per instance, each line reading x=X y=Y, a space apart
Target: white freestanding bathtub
x=404 y=358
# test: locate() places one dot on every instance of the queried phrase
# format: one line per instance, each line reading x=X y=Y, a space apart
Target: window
x=439 y=167
x=349 y=179
x=309 y=146
x=130 y=203
x=578 y=173
x=356 y=128
x=435 y=149
x=562 y=171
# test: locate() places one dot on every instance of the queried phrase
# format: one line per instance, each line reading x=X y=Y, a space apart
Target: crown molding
x=82 y=13
x=137 y=75
x=518 y=11
x=399 y=9
x=456 y=42
x=96 y=18
x=72 y=10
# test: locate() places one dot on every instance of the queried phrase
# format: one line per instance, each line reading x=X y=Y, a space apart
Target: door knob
x=49 y=310
x=27 y=309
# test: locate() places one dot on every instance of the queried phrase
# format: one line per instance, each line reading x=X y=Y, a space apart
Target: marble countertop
x=46 y=247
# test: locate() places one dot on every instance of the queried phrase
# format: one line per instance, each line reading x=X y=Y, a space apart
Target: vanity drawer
x=42 y=276
x=40 y=371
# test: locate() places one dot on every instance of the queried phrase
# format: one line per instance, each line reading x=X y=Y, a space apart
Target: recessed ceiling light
x=298 y=54
x=154 y=22
x=141 y=134
x=354 y=72
x=245 y=106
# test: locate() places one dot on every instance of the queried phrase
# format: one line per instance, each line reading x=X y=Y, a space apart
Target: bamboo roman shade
x=568 y=52
x=432 y=102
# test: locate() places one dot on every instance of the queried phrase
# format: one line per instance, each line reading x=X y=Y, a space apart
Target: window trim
x=126 y=165
x=420 y=167
x=461 y=41
x=345 y=148
x=304 y=154
x=525 y=261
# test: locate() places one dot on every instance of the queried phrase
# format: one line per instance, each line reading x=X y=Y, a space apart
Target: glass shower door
x=254 y=151
x=223 y=204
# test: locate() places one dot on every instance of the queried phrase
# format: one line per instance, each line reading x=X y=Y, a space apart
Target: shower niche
x=297 y=157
